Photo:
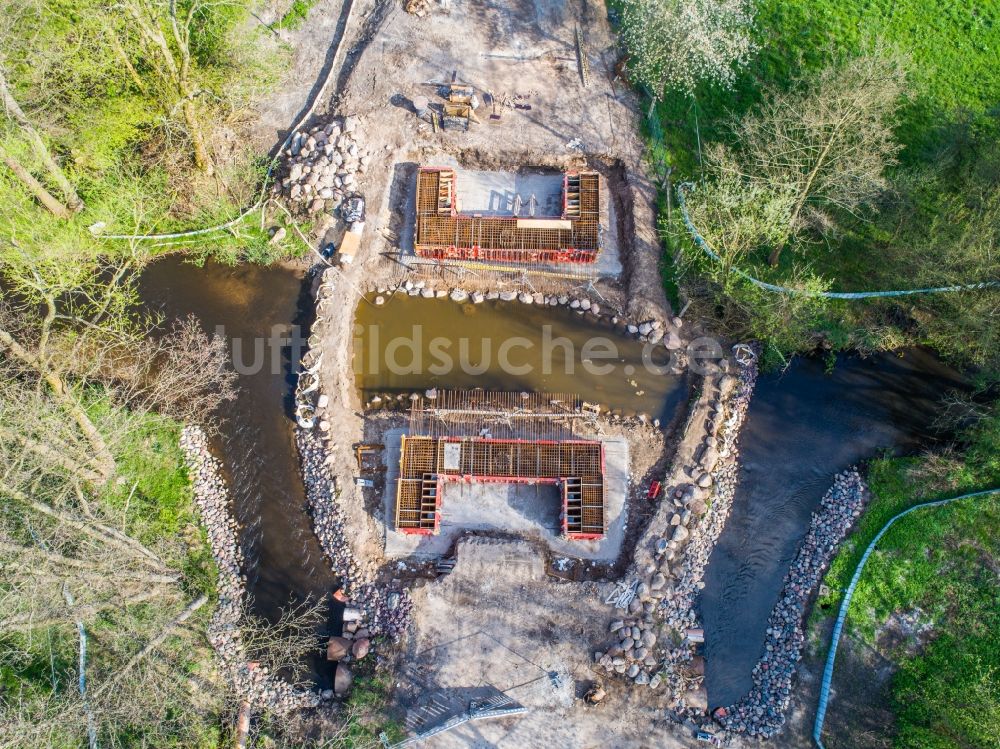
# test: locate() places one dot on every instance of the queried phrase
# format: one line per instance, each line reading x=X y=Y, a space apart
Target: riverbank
x=922 y=629
x=249 y=681
x=655 y=639
x=762 y=711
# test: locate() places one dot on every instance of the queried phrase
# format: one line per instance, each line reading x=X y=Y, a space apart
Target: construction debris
x=460 y=109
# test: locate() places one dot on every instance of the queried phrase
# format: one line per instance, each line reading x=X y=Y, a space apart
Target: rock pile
x=251 y=682
x=762 y=711
x=323 y=165
x=711 y=480
x=386 y=612
x=633 y=653
x=664 y=596
x=708 y=498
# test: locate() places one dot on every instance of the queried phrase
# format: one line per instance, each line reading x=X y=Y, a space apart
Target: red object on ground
x=654 y=490
x=341 y=596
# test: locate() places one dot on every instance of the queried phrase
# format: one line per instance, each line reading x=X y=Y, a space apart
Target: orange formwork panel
x=443 y=233
x=426 y=463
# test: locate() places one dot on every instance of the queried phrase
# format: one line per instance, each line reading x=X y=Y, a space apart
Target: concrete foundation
x=528 y=511
x=493 y=193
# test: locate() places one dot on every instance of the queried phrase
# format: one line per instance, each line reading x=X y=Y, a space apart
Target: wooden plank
x=544 y=223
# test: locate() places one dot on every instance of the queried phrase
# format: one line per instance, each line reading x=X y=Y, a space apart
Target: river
x=247 y=303
x=804 y=425
x=511 y=346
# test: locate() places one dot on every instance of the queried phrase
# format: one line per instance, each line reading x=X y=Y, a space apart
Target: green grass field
x=953 y=47
x=949 y=123
x=939 y=565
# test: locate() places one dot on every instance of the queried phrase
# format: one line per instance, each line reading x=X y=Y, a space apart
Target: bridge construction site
x=531 y=230
x=510 y=462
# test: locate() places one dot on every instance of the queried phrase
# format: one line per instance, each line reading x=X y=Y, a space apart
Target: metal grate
x=442 y=233
x=497 y=414
x=499 y=437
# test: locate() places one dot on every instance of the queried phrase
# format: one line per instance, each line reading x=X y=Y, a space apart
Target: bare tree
x=23 y=126
x=25 y=355
x=181 y=373
x=283 y=646
x=89 y=334
x=677 y=44
x=828 y=140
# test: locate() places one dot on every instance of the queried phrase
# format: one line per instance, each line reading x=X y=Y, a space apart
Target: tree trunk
x=92 y=528
x=29 y=621
x=36 y=188
x=243 y=725
x=56 y=457
x=773 y=258
x=38 y=146
x=153 y=644
x=201 y=156
x=804 y=193
x=104 y=458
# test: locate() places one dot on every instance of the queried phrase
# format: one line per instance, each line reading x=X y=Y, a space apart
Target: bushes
x=930 y=228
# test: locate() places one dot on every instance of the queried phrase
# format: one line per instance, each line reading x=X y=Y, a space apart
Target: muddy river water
x=251 y=306
x=803 y=426
x=412 y=343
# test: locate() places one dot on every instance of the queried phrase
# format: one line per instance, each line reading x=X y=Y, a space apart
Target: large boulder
x=337 y=648
x=342 y=680
x=697 y=699
x=360 y=648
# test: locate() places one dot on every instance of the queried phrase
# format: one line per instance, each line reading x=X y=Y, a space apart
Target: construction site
x=495 y=173
x=511 y=463
x=448 y=228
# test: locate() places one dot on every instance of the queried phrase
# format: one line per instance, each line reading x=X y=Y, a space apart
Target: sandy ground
x=310 y=46
x=498 y=624
x=521 y=49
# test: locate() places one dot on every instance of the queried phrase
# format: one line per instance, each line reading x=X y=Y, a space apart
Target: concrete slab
x=528 y=511
x=496 y=193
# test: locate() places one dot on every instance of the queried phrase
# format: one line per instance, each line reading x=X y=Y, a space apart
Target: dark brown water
x=251 y=302
x=803 y=427
x=412 y=343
